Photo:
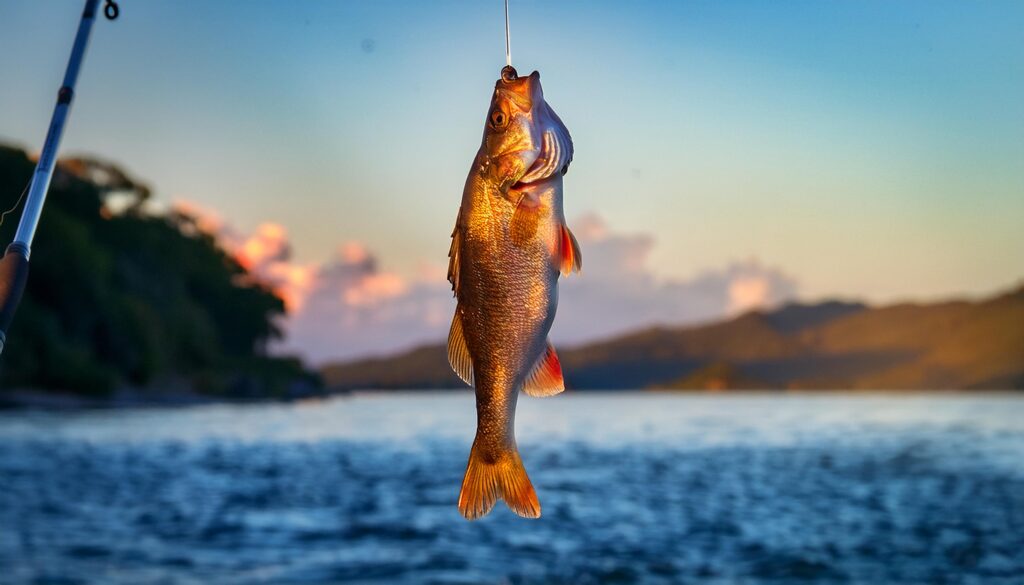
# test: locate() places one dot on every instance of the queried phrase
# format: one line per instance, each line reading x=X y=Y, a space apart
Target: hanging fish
x=509 y=246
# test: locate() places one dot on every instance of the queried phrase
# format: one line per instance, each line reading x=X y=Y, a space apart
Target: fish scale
x=509 y=245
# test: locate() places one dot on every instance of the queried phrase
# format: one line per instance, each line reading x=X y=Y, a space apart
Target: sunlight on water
x=636 y=488
x=615 y=418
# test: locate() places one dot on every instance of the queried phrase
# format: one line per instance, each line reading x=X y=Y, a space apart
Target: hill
x=834 y=345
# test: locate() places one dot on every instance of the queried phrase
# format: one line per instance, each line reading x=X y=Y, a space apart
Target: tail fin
x=486 y=481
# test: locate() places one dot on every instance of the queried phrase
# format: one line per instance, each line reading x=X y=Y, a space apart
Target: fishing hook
x=110 y=10
x=509 y=73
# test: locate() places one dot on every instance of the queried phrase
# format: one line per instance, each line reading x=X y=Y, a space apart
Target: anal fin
x=546 y=377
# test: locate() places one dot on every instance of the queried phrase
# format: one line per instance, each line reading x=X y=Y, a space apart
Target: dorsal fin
x=546 y=377
x=569 y=257
x=454 y=254
x=458 y=353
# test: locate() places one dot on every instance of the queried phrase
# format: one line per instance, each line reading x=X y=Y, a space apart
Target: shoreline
x=23 y=399
x=34 y=399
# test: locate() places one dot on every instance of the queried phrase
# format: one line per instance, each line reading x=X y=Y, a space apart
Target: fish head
x=525 y=142
x=512 y=138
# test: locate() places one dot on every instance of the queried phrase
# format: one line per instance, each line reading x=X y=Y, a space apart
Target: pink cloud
x=355 y=309
x=350 y=307
x=266 y=253
x=618 y=291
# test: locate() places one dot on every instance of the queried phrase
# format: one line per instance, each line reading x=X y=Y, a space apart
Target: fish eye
x=498 y=119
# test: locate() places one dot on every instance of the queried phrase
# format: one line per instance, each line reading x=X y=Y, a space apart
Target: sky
x=728 y=155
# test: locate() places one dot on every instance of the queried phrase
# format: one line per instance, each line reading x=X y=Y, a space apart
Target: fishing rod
x=14 y=265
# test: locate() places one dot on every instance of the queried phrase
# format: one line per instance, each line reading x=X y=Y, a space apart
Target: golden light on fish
x=509 y=245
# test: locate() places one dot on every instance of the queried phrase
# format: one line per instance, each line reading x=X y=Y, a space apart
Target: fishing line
x=508 y=42
x=4 y=215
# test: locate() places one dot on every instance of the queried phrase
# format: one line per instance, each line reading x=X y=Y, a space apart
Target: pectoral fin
x=569 y=258
x=458 y=353
x=546 y=377
x=525 y=219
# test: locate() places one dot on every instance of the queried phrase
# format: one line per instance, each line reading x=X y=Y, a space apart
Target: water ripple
x=908 y=503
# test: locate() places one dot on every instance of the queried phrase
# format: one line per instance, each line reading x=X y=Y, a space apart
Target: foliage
x=132 y=299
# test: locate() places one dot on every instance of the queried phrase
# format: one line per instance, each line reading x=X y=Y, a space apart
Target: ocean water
x=635 y=488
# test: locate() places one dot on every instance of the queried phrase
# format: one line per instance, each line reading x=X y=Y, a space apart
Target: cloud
x=266 y=253
x=355 y=309
x=350 y=307
x=343 y=308
x=618 y=291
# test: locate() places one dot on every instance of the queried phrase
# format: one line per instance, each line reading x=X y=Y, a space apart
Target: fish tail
x=490 y=478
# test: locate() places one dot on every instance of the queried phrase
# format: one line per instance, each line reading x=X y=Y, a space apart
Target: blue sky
x=866 y=149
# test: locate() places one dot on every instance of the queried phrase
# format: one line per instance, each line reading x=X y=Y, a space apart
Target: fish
x=509 y=246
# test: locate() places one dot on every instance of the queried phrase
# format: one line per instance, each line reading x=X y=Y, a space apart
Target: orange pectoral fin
x=569 y=257
x=525 y=220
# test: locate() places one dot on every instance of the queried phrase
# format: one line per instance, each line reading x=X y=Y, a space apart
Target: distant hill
x=832 y=345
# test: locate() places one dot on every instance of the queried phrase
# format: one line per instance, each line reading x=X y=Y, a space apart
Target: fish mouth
x=529 y=178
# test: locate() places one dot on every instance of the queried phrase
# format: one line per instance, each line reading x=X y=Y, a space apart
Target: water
x=635 y=488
